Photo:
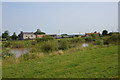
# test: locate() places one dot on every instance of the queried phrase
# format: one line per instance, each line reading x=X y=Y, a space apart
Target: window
x=26 y=36
x=31 y=35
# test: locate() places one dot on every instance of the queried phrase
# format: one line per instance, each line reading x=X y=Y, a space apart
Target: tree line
x=14 y=36
x=6 y=35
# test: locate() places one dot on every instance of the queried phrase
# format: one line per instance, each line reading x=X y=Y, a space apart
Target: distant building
x=87 y=34
x=53 y=35
x=67 y=36
x=58 y=37
x=26 y=35
x=39 y=36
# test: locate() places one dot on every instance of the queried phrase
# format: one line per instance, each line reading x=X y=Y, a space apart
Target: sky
x=59 y=17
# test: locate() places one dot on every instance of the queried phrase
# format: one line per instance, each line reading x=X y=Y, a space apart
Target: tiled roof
x=27 y=32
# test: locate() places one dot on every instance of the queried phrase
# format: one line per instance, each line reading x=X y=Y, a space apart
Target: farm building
x=26 y=35
x=87 y=34
x=39 y=36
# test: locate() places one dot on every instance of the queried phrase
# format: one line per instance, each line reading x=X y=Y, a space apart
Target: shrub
x=33 y=42
x=6 y=44
x=89 y=38
x=92 y=37
x=49 y=46
x=99 y=42
x=77 y=39
x=63 y=44
x=28 y=56
x=7 y=53
x=113 y=39
x=18 y=44
x=45 y=38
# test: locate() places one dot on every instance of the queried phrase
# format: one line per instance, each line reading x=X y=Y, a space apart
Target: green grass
x=94 y=63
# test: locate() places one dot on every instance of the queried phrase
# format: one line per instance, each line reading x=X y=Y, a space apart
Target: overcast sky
x=59 y=17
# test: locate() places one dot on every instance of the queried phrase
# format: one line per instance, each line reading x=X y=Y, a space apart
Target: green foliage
x=49 y=46
x=105 y=32
x=14 y=36
x=113 y=39
x=77 y=35
x=99 y=42
x=63 y=44
x=95 y=63
x=45 y=38
x=34 y=42
x=6 y=44
x=89 y=38
x=5 y=35
x=6 y=54
x=39 y=32
x=111 y=33
x=92 y=37
x=28 y=56
x=18 y=44
x=77 y=39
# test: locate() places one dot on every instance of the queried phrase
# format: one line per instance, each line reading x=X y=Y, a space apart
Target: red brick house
x=87 y=34
x=39 y=36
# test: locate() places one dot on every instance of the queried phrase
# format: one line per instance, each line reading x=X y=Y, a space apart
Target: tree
x=5 y=34
x=95 y=32
x=38 y=32
x=14 y=36
x=105 y=32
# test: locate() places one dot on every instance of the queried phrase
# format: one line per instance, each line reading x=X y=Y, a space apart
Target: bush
x=77 y=39
x=6 y=44
x=45 y=38
x=33 y=42
x=7 y=53
x=99 y=42
x=113 y=39
x=49 y=46
x=89 y=38
x=63 y=44
x=92 y=37
x=28 y=56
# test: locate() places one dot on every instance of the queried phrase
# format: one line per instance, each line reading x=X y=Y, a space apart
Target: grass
x=92 y=63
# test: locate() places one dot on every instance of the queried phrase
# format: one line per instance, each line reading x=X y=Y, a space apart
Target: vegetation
x=95 y=63
x=38 y=32
x=63 y=44
x=65 y=57
x=49 y=46
x=45 y=38
x=5 y=35
x=105 y=32
x=7 y=54
x=14 y=36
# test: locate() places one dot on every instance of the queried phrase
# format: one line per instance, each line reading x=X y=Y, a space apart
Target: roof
x=91 y=33
x=40 y=35
x=26 y=32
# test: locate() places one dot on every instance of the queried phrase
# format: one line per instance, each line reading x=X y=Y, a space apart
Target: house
x=39 y=36
x=26 y=35
x=87 y=34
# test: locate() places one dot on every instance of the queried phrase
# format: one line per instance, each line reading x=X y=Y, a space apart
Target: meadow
x=62 y=58
x=93 y=63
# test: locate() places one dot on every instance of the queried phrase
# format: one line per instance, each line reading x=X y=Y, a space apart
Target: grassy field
x=92 y=63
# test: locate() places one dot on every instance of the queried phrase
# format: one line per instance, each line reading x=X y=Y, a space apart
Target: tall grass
x=49 y=46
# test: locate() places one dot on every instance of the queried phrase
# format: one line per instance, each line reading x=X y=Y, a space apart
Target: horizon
x=60 y=17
